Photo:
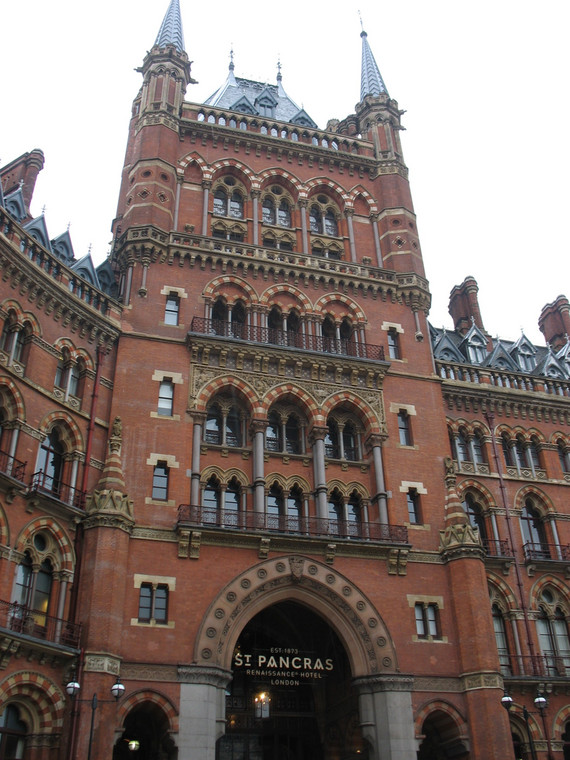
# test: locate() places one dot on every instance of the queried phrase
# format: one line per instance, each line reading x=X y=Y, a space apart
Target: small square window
x=427 y=620
x=153 y=603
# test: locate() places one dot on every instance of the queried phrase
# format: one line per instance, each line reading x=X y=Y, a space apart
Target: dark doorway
x=147 y=725
x=291 y=696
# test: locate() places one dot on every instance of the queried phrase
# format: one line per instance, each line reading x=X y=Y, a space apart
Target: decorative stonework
x=333 y=596
x=101 y=662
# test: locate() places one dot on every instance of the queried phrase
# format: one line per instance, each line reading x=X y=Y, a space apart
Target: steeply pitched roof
x=269 y=100
x=371 y=82
x=170 y=32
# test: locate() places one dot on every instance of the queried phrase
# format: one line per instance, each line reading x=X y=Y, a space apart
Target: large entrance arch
x=299 y=583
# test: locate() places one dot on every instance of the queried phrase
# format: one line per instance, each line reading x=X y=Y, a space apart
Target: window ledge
x=430 y=639
x=152 y=624
x=156 y=415
x=158 y=503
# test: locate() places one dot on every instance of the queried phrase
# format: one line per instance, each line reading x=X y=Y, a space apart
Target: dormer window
x=477 y=352
x=526 y=361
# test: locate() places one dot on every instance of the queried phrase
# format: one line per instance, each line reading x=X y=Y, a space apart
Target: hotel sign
x=283 y=666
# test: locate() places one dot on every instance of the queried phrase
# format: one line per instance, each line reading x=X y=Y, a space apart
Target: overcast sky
x=484 y=85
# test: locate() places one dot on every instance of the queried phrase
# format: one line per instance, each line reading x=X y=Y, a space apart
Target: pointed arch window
x=534 y=534
x=563 y=456
x=268 y=210
x=474 y=512
x=336 y=514
x=316 y=220
x=275 y=507
x=354 y=511
x=50 y=463
x=232 y=498
x=554 y=641
x=211 y=501
x=294 y=509
x=331 y=226
x=501 y=640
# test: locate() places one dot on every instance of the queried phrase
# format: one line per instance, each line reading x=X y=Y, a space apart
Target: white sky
x=484 y=84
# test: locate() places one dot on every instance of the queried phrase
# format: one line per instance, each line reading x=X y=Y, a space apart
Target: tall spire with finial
x=371 y=82
x=170 y=32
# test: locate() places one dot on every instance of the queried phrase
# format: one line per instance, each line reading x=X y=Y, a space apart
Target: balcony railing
x=21 y=619
x=284 y=338
x=496 y=548
x=545 y=665
x=57 y=489
x=317 y=527
x=554 y=552
x=11 y=466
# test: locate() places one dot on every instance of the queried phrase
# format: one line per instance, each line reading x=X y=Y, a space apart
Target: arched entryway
x=291 y=696
x=442 y=738
x=371 y=696
x=146 y=735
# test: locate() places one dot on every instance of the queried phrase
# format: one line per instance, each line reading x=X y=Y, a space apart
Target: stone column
x=199 y=418
x=374 y=223
x=349 y=214
x=317 y=440
x=255 y=199
x=258 y=434
x=303 y=207
x=375 y=443
x=206 y=186
x=386 y=716
x=202 y=710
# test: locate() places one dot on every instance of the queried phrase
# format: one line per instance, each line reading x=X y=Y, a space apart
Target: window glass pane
x=171 y=310
x=420 y=623
x=160 y=482
x=161 y=604
x=145 y=601
x=165 y=398
x=432 y=619
x=404 y=428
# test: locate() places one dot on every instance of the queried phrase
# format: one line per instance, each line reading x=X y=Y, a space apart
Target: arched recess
x=230 y=384
x=442 y=731
x=334 y=597
x=42 y=699
x=62 y=554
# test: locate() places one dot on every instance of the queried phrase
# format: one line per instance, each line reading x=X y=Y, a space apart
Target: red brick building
x=244 y=478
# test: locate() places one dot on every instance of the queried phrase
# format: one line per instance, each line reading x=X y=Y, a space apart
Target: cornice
x=54 y=298
x=178 y=248
x=506 y=402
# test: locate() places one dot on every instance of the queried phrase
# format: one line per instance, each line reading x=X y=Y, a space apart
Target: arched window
x=284 y=213
x=273 y=440
x=225 y=422
x=331 y=226
x=275 y=507
x=533 y=532
x=501 y=640
x=294 y=509
x=533 y=454
x=33 y=593
x=50 y=463
x=232 y=499
x=478 y=449
x=329 y=335
x=12 y=734
x=219 y=317
x=211 y=500
x=228 y=201
x=238 y=320
x=293 y=325
x=316 y=220
x=268 y=210
x=336 y=514
x=554 y=640
x=474 y=512
x=293 y=435
x=332 y=447
x=507 y=450
x=354 y=516
x=563 y=456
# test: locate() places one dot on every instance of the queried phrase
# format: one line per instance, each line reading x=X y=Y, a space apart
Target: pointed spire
x=170 y=32
x=371 y=82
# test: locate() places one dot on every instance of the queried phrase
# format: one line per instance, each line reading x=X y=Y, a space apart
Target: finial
x=21 y=183
x=43 y=209
x=68 y=226
x=232 y=58
x=279 y=76
x=89 y=249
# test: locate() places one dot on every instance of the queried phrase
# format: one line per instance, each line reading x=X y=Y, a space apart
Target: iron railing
x=207 y=517
x=545 y=665
x=35 y=623
x=285 y=338
x=11 y=466
x=543 y=551
x=57 y=489
x=497 y=548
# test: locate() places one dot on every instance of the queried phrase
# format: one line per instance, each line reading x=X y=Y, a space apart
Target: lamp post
x=73 y=689
x=540 y=702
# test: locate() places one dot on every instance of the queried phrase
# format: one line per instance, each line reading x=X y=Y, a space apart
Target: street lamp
x=73 y=689
x=540 y=702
